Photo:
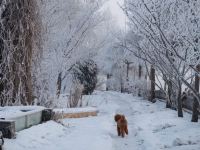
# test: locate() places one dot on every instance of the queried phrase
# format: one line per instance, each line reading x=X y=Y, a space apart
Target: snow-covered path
x=151 y=127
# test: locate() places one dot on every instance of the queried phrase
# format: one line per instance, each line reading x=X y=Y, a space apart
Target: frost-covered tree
x=169 y=40
x=72 y=31
x=19 y=36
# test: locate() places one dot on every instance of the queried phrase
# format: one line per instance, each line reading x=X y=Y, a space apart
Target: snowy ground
x=151 y=127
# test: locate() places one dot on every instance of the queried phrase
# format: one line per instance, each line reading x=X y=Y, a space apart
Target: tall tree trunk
x=169 y=95
x=1 y=74
x=59 y=84
x=165 y=86
x=108 y=77
x=127 y=71
x=121 y=84
x=139 y=75
x=195 y=111
x=17 y=38
x=107 y=82
x=179 y=101
x=140 y=71
x=122 y=87
x=152 y=78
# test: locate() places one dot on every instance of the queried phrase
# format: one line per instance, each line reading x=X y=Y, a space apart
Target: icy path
x=151 y=127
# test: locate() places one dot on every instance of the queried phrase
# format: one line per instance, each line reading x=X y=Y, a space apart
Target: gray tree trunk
x=59 y=84
x=127 y=71
x=152 y=78
x=169 y=95
x=140 y=71
x=179 y=101
x=195 y=111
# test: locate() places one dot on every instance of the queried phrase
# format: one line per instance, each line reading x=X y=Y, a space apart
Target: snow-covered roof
x=10 y=112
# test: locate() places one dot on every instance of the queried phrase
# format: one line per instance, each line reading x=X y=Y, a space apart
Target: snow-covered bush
x=137 y=87
x=86 y=74
x=75 y=97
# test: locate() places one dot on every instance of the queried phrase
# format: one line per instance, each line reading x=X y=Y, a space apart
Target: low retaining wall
x=79 y=115
x=75 y=112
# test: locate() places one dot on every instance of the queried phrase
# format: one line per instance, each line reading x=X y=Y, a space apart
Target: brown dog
x=122 y=125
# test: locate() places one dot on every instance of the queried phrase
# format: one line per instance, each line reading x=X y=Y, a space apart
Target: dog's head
x=123 y=117
x=117 y=117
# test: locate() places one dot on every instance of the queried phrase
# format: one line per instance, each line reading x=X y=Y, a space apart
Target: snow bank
x=151 y=127
x=90 y=133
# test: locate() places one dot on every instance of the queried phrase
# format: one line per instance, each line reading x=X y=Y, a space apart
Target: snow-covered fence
x=159 y=94
x=187 y=100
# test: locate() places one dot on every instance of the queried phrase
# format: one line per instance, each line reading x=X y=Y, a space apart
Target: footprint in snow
x=163 y=127
x=140 y=142
x=42 y=137
x=139 y=129
x=112 y=135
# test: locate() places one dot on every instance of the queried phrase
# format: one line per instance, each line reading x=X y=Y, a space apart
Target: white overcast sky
x=117 y=12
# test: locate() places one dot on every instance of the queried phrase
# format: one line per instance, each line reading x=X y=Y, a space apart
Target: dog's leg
x=118 y=131
x=122 y=132
x=126 y=130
